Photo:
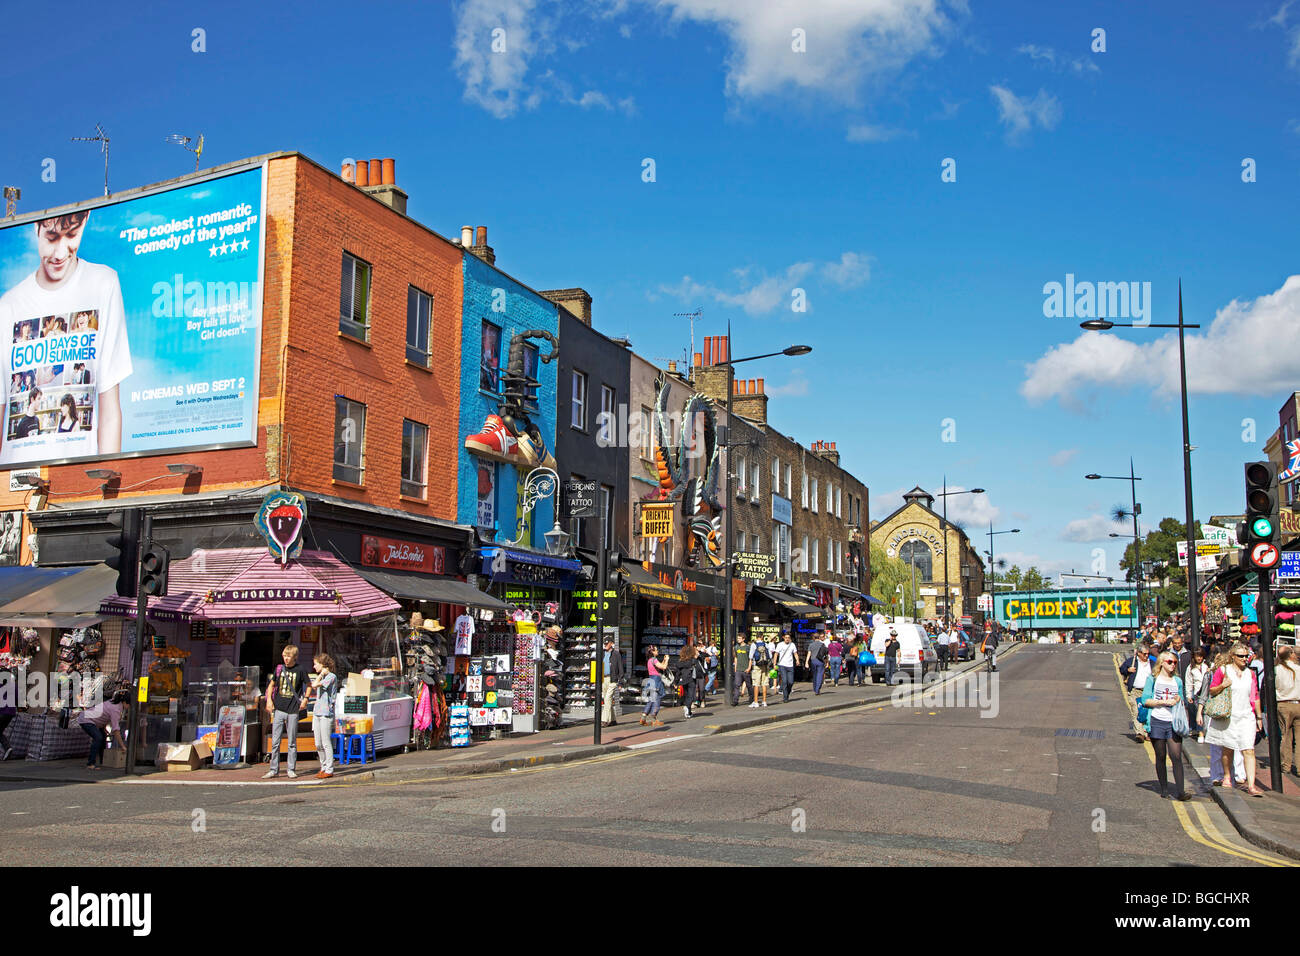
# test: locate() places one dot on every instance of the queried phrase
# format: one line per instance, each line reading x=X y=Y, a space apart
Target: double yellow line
x=1208 y=834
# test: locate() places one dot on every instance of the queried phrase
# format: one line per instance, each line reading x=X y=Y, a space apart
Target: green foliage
x=886 y=575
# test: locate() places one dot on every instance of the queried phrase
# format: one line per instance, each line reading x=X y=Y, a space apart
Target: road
x=1052 y=779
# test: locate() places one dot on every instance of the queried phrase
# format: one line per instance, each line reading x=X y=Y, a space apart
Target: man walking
x=815 y=659
x=613 y=677
x=787 y=655
x=284 y=697
x=942 y=646
x=891 y=657
x=760 y=662
x=740 y=669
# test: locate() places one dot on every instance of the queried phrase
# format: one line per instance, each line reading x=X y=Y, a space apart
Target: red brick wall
x=331 y=216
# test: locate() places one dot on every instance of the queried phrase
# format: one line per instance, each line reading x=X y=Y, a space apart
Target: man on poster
x=95 y=355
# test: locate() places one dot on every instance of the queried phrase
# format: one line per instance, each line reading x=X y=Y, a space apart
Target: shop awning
x=646 y=584
x=433 y=588
x=792 y=603
x=72 y=600
x=237 y=586
x=24 y=579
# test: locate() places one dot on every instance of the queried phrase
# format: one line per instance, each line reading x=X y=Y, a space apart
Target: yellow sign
x=657 y=520
x=143 y=695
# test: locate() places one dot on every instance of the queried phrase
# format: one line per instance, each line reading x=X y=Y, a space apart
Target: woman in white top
x=1196 y=673
x=1236 y=732
x=1163 y=692
x=1287 y=675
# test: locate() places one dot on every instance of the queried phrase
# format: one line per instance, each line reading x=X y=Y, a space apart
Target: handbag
x=1181 y=727
x=667 y=677
x=1219 y=706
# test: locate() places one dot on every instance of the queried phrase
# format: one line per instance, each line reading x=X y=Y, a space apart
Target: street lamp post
x=1193 y=602
x=729 y=618
x=947 y=597
x=1136 y=510
x=992 y=571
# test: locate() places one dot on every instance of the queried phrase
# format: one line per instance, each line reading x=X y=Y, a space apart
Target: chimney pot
x=672 y=365
x=362 y=173
x=724 y=348
x=348 y=174
x=376 y=172
x=710 y=350
x=760 y=388
x=481 y=236
x=388 y=169
x=467 y=236
x=699 y=361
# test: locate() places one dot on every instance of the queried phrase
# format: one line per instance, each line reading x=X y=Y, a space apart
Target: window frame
x=813 y=497
x=804 y=483
x=416 y=356
x=340 y=414
x=577 y=405
x=408 y=486
x=756 y=473
x=348 y=323
x=483 y=367
x=647 y=434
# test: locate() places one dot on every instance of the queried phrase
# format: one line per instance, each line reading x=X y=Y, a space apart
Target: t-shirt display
x=68 y=348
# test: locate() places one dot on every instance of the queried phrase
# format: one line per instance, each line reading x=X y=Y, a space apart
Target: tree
x=1033 y=580
x=887 y=574
x=1160 y=547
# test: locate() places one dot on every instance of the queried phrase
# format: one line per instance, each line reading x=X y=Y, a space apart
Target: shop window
x=489 y=376
x=578 y=407
x=531 y=364
x=742 y=477
x=354 y=298
x=788 y=486
x=349 y=440
x=415 y=446
x=419 y=324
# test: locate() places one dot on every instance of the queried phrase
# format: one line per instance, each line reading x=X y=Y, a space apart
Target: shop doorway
x=262 y=649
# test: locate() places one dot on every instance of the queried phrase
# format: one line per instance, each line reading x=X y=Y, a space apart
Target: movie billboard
x=135 y=327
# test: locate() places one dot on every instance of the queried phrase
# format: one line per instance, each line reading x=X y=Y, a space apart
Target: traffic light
x=153 y=570
x=126 y=549
x=1286 y=614
x=1258 y=534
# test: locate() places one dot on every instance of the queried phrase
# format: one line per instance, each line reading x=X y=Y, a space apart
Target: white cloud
x=853 y=269
x=1292 y=31
x=867 y=133
x=848 y=41
x=1095 y=527
x=1063 y=457
x=949 y=110
x=797 y=385
x=1263 y=335
x=1020 y=114
x=1047 y=56
x=971 y=511
x=886 y=503
x=763 y=295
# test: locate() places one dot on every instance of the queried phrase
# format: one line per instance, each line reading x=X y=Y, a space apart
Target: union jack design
x=1293 y=464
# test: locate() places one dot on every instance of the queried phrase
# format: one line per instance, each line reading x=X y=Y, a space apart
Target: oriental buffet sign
x=903 y=534
x=657 y=520
x=274 y=594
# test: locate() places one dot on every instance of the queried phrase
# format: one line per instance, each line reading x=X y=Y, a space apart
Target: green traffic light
x=1262 y=528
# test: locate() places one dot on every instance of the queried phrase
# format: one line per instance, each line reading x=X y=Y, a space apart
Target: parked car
x=916 y=654
x=964 y=650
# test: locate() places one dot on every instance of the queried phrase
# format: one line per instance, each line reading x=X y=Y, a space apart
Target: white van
x=916 y=654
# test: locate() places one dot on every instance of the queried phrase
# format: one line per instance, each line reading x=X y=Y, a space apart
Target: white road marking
x=665 y=740
x=19 y=813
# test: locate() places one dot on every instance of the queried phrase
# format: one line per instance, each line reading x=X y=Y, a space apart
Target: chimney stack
x=467 y=236
x=751 y=401
x=378 y=178
x=576 y=301
x=362 y=174
x=481 y=248
x=349 y=173
x=699 y=360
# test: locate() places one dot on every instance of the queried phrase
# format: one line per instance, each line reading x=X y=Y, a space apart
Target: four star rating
x=214 y=250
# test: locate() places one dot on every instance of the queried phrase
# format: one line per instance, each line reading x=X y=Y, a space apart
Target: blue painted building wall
x=520 y=309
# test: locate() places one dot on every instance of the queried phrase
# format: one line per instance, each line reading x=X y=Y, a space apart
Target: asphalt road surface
x=1054 y=778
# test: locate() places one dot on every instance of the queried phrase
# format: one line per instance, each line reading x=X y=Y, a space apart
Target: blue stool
x=337 y=741
x=360 y=747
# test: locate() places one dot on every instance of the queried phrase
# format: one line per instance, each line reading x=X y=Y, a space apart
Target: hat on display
x=432 y=625
x=417 y=619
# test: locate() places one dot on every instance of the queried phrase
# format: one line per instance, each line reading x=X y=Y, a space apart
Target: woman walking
x=1196 y=675
x=1236 y=732
x=1287 y=677
x=1163 y=693
x=655 y=687
x=835 y=659
x=684 y=668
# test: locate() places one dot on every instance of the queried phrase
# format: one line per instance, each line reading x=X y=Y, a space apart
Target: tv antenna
x=101 y=137
x=183 y=141
x=697 y=314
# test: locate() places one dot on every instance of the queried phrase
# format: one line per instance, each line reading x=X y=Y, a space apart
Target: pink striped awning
x=247 y=585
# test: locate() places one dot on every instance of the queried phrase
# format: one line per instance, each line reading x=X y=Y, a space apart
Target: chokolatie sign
x=753 y=566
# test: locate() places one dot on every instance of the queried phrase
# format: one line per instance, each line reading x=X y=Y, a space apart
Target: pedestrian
x=855 y=669
x=740 y=669
x=1287 y=677
x=760 y=662
x=891 y=657
x=613 y=663
x=815 y=659
x=701 y=676
x=1236 y=732
x=1135 y=672
x=101 y=722
x=942 y=647
x=711 y=663
x=1182 y=653
x=835 y=658
x=684 y=668
x=326 y=684
x=284 y=698
x=1196 y=674
x=1162 y=692
x=654 y=692
x=786 y=656
x=1216 y=752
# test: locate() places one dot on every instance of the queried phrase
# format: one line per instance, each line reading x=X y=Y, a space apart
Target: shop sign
x=261 y=621
x=1207 y=554
x=657 y=520
x=768 y=632
x=584 y=607
x=1289 y=566
x=782 y=512
x=487 y=493
x=1103 y=607
x=1224 y=536
x=580 y=498
x=504 y=567
x=379 y=552
x=275 y=594
x=280 y=521
x=1290 y=521
x=902 y=534
x=656 y=592
x=753 y=566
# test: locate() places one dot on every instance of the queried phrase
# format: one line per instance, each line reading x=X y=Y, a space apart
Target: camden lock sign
x=753 y=566
x=903 y=534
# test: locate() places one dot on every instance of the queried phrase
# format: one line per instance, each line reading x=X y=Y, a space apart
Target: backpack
x=759 y=654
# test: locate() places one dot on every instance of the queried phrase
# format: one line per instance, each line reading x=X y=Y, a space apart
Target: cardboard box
x=182 y=758
x=356 y=686
x=115 y=758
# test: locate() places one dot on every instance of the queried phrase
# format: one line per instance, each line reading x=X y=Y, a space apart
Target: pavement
x=507 y=754
x=1271 y=822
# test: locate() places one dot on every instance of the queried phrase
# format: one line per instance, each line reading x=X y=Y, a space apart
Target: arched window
x=917 y=552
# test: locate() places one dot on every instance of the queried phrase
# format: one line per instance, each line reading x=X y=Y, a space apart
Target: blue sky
x=778 y=170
